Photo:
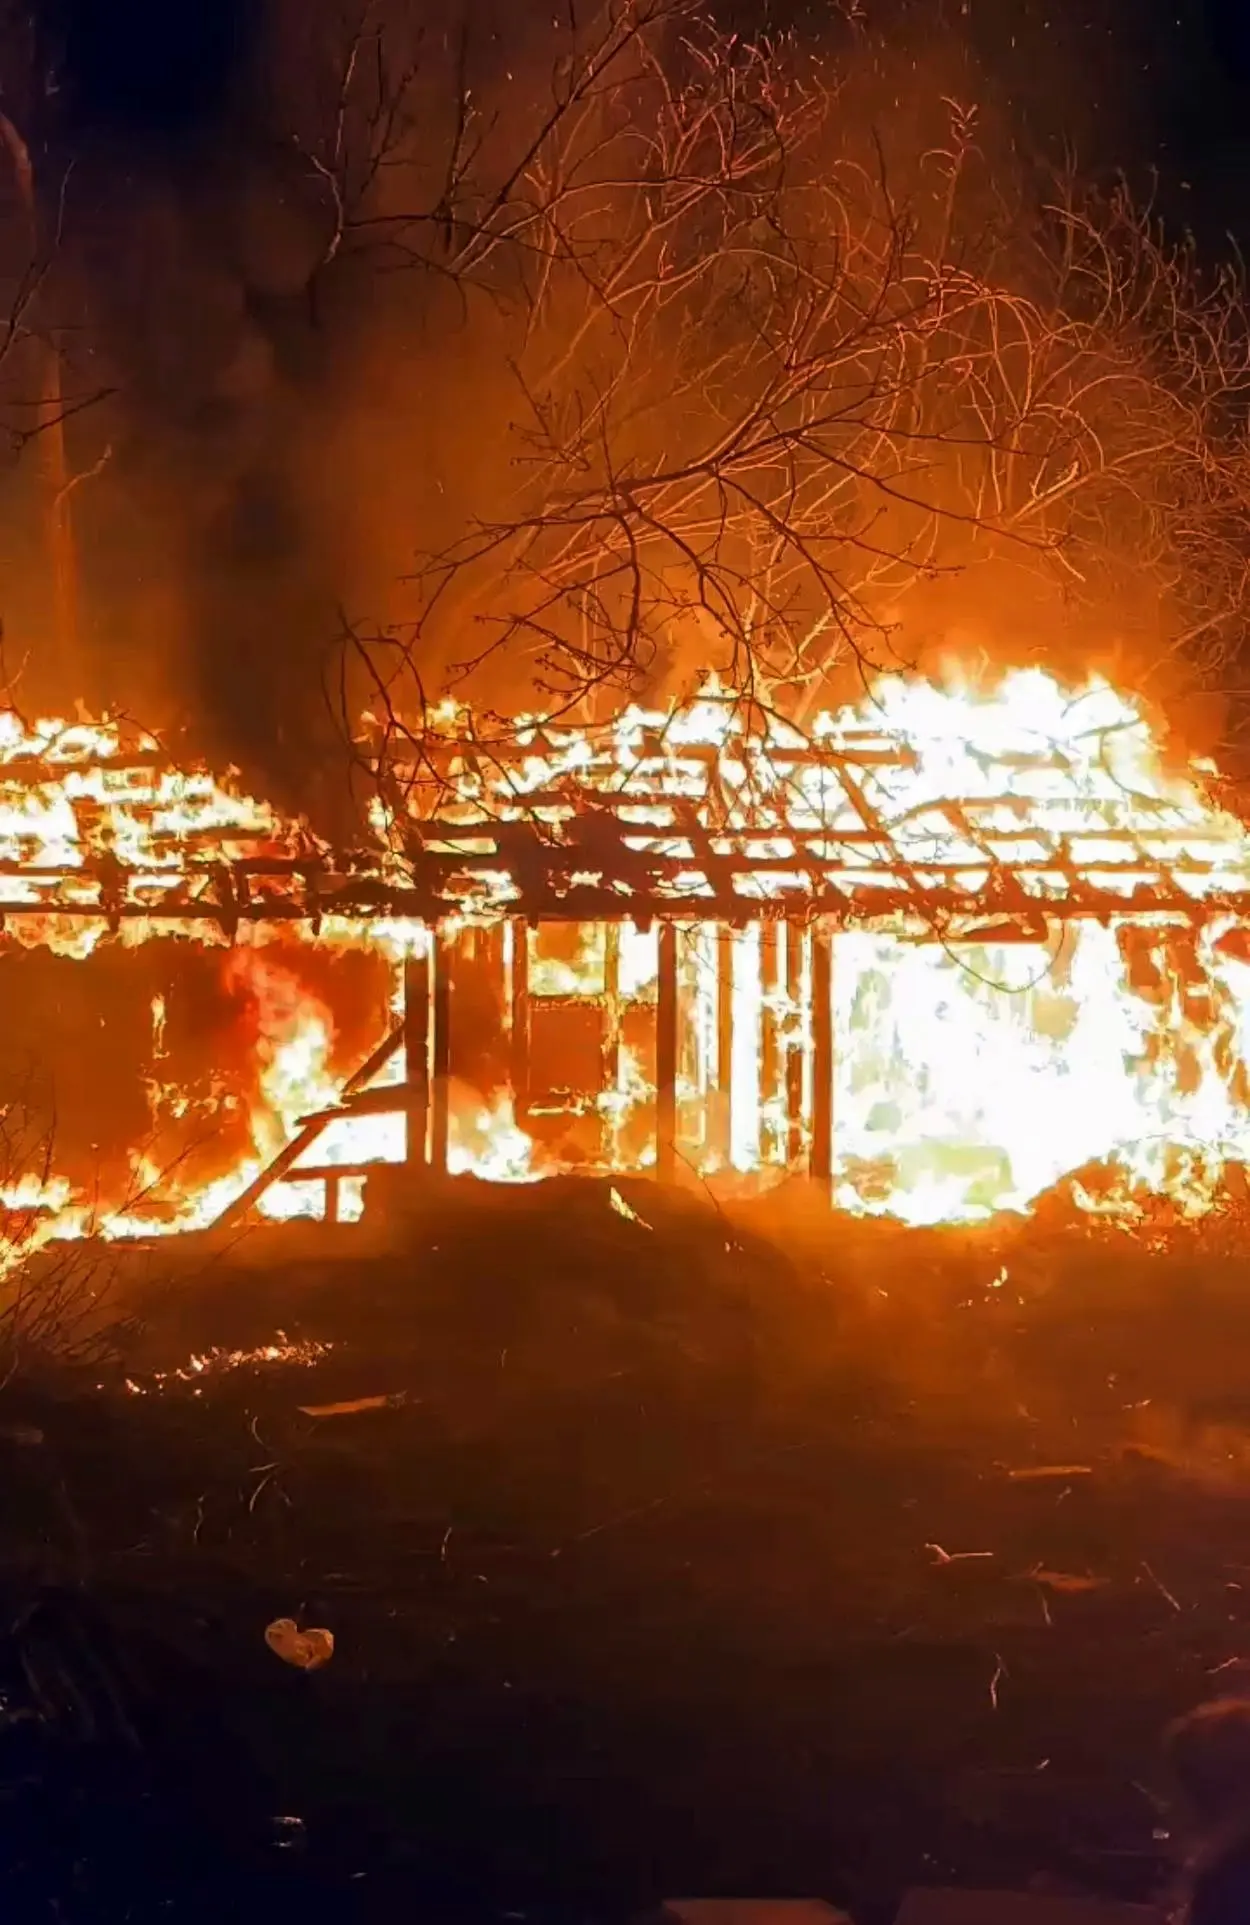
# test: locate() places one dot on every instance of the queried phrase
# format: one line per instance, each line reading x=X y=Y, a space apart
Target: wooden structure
x=795 y=841
x=645 y=823
x=425 y=1035
x=849 y=831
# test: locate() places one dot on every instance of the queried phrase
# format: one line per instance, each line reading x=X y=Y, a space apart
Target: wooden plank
x=770 y=1053
x=722 y=1133
x=868 y=909
x=306 y=1136
x=577 y=827
x=903 y=912
x=443 y=962
x=664 y=858
x=822 y=1147
x=666 y=1054
x=519 y=1017
x=851 y=899
x=450 y=881
x=320 y=1172
x=612 y=1007
x=415 y=1098
x=271 y=1174
x=795 y=1048
x=655 y=851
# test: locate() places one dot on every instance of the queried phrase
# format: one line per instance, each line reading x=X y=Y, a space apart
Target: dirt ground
x=677 y=1552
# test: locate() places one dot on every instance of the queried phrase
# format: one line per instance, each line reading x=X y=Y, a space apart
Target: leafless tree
x=771 y=375
x=41 y=387
x=54 y=1295
x=1143 y=372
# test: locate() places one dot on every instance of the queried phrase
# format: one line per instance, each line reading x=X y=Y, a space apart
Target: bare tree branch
x=770 y=378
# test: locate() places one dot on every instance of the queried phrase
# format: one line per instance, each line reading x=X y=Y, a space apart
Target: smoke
x=286 y=414
x=294 y=407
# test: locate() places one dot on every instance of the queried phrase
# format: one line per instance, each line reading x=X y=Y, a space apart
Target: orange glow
x=985 y=1047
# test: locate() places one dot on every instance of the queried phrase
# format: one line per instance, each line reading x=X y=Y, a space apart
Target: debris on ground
x=307 y=1650
x=694 y=1573
x=350 y=1407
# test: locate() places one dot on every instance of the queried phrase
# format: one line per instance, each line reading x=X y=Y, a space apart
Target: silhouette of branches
x=769 y=377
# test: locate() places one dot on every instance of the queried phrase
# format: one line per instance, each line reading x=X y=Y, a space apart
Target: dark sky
x=1134 y=83
x=150 y=69
x=1138 y=84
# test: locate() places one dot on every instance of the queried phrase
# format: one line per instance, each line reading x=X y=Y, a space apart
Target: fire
x=302 y=1353
x=974 y=1067
x=486 y=1141
x=1039 y=965
x=82 y=803
x=293 y=1036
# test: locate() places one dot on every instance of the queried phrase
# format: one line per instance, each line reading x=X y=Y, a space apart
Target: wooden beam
x=724 y=1112
x=770 y=1052
x=373 y=1062
x=272 y=1173
x=860 y=898
x=416 y=1095
x=666 y=1054
x=390 y=1100
x=821 y=1162
x=795 y=1048
x=610 y=1074
x=306 y=1136
x=440 y=1051
x=323 y=1172
x=519 y=1017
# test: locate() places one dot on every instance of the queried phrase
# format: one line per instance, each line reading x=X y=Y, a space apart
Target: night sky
x=1144 y=85
x=1138 y=83
x=148 y=69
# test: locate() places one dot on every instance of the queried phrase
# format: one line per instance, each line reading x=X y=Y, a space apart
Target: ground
x=707 y=1552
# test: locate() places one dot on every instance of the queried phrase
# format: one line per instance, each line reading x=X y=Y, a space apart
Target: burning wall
x=946 y=949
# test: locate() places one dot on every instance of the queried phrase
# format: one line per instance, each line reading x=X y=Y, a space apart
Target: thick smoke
x=280 y=415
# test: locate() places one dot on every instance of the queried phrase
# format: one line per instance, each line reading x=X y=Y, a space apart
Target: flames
x=82 y=803
x=1040 y=973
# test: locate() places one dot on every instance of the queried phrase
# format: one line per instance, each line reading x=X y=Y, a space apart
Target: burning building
x=939 y=953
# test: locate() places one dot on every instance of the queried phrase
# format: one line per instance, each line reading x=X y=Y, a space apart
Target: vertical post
x=519 y=1017
x=723 y=1130
x=770 y=1054
x=333 y=1188
x=794 y=1043
x=610 y=1073
x=666 y=1055
x=440 y=1052
x=417 y=1054
x=822 y=1058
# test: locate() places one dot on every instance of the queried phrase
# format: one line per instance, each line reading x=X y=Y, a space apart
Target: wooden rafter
x=835 y=832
